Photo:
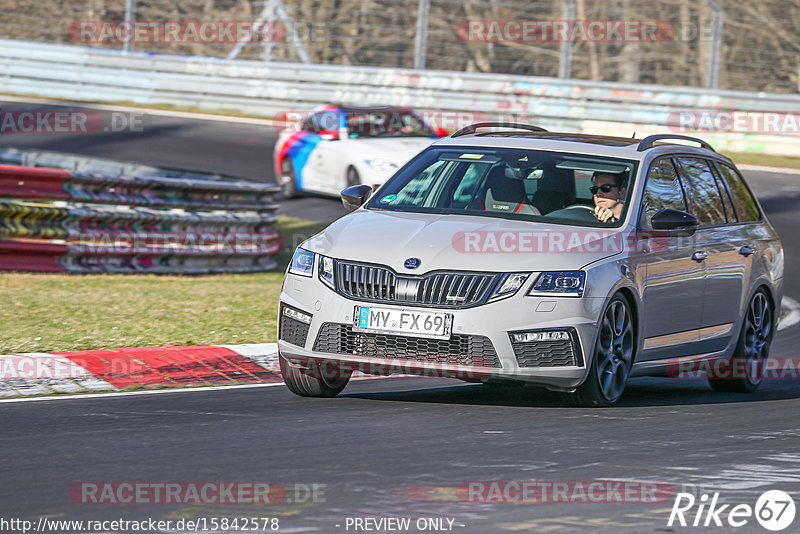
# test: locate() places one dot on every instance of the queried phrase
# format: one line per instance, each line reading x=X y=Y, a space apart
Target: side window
x=730 y=213
x=663 y=191
x=743 y=201
x=311 y=124
x=468 y=186
x=419 y=187
x=703 y=191
x=322 y=120
x=583 y=181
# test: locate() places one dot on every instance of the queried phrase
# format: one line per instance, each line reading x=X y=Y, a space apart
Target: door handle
x=746 y=251
x=699 y=256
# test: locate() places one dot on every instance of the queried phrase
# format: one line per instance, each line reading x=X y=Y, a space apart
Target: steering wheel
x=577 y=212
x=579 y=206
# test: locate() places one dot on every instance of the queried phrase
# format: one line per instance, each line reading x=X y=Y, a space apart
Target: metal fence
x=724 y=44
x=269 y=88
x=62 y=213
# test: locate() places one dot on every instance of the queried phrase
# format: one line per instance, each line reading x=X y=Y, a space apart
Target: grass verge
x=761 y=159
x=42 y=312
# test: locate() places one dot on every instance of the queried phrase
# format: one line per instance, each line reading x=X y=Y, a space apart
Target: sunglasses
x=605 y=188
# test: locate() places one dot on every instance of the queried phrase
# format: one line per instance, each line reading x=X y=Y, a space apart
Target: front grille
x=292 y=331
x=548 y=353
x=441 y=289
x=460 y=349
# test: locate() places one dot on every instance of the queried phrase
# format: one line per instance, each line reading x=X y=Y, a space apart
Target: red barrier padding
x=31 y=256
x=31 y=182
x=170 y=366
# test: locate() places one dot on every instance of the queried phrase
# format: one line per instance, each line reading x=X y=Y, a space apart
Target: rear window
x=390 y=123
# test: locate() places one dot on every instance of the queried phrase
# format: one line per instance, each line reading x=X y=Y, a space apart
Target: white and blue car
x=336 y=147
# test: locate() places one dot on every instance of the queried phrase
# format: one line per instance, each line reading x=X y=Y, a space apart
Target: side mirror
x=329 y=135
x=669 y=219
x=355 y=196
x=441 y=132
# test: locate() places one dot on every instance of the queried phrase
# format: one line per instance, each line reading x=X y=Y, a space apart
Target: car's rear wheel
x=614 y=352
x=745 y=369
x=314 y=381
x=352 y=177
x=288 y=180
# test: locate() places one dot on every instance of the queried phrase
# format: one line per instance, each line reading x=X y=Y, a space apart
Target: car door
x=326 y=160
x=672 y=285
x=717 y=243
x=300 y=148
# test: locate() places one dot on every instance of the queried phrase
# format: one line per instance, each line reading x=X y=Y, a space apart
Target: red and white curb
x=42 y=373
x=105 y=370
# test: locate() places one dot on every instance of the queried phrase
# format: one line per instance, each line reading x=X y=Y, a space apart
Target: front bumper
x=483 y=330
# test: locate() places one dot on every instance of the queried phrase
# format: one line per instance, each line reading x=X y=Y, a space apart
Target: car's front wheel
x=315 y=380
x=614 y=352
x=745 y=369
x=352 y=177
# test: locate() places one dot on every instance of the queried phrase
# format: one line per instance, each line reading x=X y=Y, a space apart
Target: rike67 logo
x=774 y=510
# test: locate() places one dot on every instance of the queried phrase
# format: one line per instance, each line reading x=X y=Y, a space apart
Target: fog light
x=547 y=335
x=296 y=315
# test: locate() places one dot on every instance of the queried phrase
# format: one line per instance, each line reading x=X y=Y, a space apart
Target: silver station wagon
x=506 y=253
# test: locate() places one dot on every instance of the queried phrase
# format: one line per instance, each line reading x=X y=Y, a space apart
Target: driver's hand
x=603 y=214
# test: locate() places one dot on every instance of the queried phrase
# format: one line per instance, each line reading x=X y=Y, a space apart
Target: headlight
x=381 y=165
x=508 y=285
x=559 y=283
x=326 y=271
x=302 y=262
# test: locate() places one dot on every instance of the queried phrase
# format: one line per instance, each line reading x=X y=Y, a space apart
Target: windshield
x=394 y=123
x=553 y=187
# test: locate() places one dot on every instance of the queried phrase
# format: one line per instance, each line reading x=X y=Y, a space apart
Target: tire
x=301 y=382
x=352 y=177
x=752 y=349
x=613 y=355
x=288 y=180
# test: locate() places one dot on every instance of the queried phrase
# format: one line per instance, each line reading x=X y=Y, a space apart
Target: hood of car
x=462 y=242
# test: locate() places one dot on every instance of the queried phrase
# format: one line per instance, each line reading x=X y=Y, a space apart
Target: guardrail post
x=565 y=63
x=421 y=41
x=716 y=43
x=129 y=8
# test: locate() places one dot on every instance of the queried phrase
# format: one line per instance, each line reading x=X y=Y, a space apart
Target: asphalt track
x=399 y=447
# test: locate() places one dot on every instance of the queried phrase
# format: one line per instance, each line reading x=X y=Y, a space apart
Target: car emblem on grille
x=412 y=263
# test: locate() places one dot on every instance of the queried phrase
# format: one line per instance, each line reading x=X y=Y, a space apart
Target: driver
x=609 y=192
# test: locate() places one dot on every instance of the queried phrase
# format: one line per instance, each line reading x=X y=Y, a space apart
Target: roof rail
x=648 y=141
x=472 y=128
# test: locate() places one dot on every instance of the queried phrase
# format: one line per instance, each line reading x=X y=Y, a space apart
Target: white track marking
x=148 y=111
x=114 y=395
x=764 y=168
x=790 y=313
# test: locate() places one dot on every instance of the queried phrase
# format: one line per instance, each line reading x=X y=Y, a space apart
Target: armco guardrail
x=268 y=88
x=143 y=220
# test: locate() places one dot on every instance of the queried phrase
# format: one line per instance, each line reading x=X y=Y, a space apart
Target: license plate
x=406 y=322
